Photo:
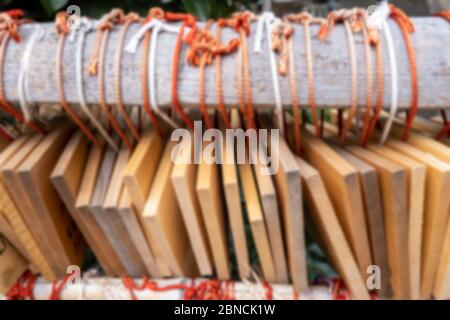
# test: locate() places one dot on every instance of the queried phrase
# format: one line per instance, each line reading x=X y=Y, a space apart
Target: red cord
x=187 y=21
x=407 y=28
x=6 y=135
x=23 y=288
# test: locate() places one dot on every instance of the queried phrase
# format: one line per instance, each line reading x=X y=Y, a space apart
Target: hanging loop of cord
x=270 y=22
x=407 y=28
x=154 y=13
x=9 y=29
x=240 y=22
x=202 y=48
x=97 y=65
x=61 y=24
x=128 y=20
x=37 y=35
x=444 y=132
x=379 y=20
x=282 y=34
x=344 y=16
x=307 y=20
x=87 y=26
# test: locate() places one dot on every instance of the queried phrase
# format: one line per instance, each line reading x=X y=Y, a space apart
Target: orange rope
x=307 y=20
x=187 y=21
x=345 y=16
x=287 y=65
x=204 y=59
x=96 y=66
x=241 y=23
x=218 y=68
x=62 y=29
x=129 y=19
x=446 y=129
x=407 y=28
x=380 y=94
x=204 y=290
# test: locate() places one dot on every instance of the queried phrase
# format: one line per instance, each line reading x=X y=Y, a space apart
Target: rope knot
x=10 y=24
x=155 y=13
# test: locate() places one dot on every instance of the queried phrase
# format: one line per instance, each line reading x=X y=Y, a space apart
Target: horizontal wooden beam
x=331 y=67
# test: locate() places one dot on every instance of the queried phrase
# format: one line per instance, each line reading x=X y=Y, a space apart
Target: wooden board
x=57 y=225
x=373 y=207
x=416 y=175
x=162 y=215
x=12 y=265
x=288 y=186
x=257 y=223
x=270 y=208
x=138 y=179
x=11 y=212
x=111 y=217
x=394 y=188
x=135 y=229
x=230 y=183
x=184 y=177
x=66 y=178
x=7 y=230
x=342 y=183
x=435 y=216
x=21 y=213
x=319 y=204
x=83 y=201
x=209 y=193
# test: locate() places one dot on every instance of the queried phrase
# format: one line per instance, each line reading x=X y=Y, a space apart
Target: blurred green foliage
x=42 y=10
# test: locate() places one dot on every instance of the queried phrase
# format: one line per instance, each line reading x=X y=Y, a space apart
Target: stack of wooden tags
x=380 y=213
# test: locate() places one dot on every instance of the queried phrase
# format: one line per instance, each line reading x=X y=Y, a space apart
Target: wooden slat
x=373 y=206
x=257 y=223
x=83 y=201
x=110 y=214
x=324 y=216
x=211 y=202
x=184 y=177
x=7 y=230
x=342 y=183
x=135 y=229
x=56 y=223
x=12 y=265
x=138 y=178
x=162 y=215
x=287 y=184
x=435 y=216
x=15 y=217
x=416 y=174
x=231 y=189
x=23 y=203
x=394 y=188
x=66 y=177
x=270 y=207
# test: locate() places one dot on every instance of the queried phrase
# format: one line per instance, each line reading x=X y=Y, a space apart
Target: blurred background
x=43 y=10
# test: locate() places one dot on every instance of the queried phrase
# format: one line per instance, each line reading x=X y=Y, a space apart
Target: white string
x=24 y=67
x=379 y=20
x=151 y=70
x=157 y=27
x=85 y=27
x=269 y=20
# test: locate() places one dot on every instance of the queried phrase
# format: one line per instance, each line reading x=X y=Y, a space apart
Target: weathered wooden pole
x=331 y=67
